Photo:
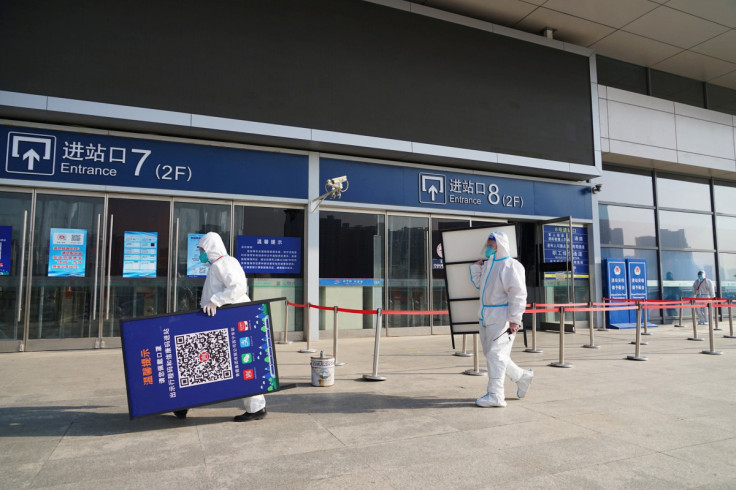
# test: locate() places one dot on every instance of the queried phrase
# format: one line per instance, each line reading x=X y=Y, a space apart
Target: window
x=677 y=88
x=619 y=74
x=685 y=230
x=626 y=188
x=622 y=225
x=725 y=199
x=682 y=194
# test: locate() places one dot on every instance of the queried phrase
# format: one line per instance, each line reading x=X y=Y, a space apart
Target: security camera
x=337 y=181
x=596 y=188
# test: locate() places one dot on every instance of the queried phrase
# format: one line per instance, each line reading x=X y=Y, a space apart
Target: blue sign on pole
x=615 y=287
x=184 y=360
x=195 y=267
x=270 y=255
x=6 y=241
x=67 y=252
x=85 y=158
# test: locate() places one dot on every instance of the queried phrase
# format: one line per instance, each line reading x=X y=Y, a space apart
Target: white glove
x=210 y=308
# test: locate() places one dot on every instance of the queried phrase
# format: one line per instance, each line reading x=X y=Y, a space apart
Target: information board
x=636 y=270
x=615 y=286
x=140 y=254
x=195 y=267
x=184 y=360
x=67 y=252
x=270 y=255
x=6 y=241
x=556 y=248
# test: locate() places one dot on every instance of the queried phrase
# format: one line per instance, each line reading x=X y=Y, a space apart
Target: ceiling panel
x=629 y=47
x=674 y=27
x=721 y=47
x=614 y=14
x=567 y=28
x=693 y=65
x=719 y=11
x=728 y=80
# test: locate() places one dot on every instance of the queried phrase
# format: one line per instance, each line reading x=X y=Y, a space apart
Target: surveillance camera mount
x=334 y=187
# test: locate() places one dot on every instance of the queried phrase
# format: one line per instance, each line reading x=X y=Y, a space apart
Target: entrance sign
x=83 y=158
x=393 y=185
x=195 y=267
x=270 y=255
x=67 y=252
x=6 y=240
x=140 y=254
x=460 y=249
x=184 y=360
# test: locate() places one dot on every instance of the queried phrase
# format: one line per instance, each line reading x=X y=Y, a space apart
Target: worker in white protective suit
x=225 y=284
x=703 y=288
x=502 y=285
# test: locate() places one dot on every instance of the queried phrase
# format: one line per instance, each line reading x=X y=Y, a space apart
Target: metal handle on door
x=22 y=265
x=176 y=262
x=109 y=262
x=97 y=267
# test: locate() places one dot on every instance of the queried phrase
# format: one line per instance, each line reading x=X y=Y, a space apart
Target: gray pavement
x=607 y=422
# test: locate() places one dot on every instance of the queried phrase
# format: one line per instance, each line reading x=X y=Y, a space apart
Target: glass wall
x=688 y=226
x=351 y=266
x=407 y=276
x=272 y=224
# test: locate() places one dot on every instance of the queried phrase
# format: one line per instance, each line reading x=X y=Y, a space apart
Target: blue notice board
x=616 y=288
x=270 y=255
x=637 y=284
x=6 y=240
x=556 y=246
x=184 y=360
x=67 y=252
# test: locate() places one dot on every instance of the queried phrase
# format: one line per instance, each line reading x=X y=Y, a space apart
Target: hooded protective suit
x=502 y=285
x=225 y=284
x=703 y=288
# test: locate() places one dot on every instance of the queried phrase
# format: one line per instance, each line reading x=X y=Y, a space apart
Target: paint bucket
x=323 y=370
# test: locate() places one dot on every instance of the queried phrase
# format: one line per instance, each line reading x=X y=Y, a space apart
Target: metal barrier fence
x=712 y=304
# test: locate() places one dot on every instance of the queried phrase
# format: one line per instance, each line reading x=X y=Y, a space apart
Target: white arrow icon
x=32 y=158
x=433 y=191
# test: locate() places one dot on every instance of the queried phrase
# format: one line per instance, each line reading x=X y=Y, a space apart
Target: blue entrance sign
x=270 y=255
x=408 y=186
x=184 y=360
x=84 y=158
x=67 y=252
x=556 y=248
x=6 y=240
x=615 y=287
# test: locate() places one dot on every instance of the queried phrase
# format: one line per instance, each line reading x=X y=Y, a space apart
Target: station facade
x=128 y=136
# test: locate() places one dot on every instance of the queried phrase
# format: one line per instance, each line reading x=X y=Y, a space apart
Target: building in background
x=132 y=129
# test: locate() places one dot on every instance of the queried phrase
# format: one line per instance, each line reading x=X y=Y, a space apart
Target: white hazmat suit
x=703 y=288
x=502 y=285
x=225 y=284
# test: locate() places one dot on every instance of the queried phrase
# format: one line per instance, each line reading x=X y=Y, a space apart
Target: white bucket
x=323 y=371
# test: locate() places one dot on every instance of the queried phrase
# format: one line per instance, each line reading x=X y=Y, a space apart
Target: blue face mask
x=489 y=252
x=203 y=257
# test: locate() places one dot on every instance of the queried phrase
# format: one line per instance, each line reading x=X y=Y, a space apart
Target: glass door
x=64 y=271
x=15 y=216
x=191 y=221
x=136 y=261
x=408 y=279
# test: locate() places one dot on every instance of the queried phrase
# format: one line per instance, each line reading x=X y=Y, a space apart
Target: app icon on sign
x=246 y=358
x=242 y=326
x=244 y=341
x=248 y=374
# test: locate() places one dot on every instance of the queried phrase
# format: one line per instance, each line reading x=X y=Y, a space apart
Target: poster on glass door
x=6 y=240
x=67 y=252
x=195 y=267
x=140 y=253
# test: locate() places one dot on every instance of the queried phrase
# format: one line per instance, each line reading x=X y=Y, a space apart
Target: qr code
x=203 y=357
